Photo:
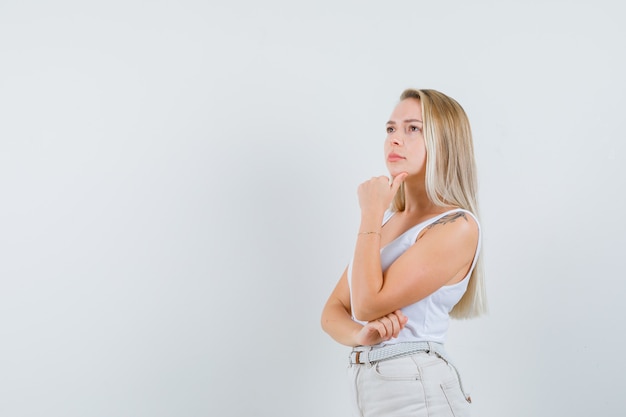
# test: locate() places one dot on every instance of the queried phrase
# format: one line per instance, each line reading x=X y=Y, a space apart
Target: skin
x=441 y=255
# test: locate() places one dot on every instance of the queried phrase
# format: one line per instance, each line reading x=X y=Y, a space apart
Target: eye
x=413 y=128
x=389 y=129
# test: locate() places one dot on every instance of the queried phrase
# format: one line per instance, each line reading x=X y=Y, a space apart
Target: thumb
x=397 y=181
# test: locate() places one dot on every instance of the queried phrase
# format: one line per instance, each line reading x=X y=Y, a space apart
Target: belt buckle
x=361 y=355
x=355 y=357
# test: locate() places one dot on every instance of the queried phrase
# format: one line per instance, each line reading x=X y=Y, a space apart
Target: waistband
x=368 y=355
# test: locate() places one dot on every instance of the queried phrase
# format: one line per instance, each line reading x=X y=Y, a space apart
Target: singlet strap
x=388 y=215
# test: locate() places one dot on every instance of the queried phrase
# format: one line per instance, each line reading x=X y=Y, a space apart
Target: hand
x=382 y=329
x=376 y=194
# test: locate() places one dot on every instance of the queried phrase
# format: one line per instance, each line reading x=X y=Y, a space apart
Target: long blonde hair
x=450 y=177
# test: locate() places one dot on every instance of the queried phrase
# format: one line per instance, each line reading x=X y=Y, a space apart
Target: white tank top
x=428 y=318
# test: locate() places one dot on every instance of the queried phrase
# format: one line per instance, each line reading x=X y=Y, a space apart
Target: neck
x=416 y=199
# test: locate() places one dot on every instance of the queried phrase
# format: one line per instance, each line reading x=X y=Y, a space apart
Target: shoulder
x=458 y=216
x=457 y=224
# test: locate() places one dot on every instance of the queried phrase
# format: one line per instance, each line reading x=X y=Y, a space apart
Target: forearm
x=336 y=321
x=367 y=274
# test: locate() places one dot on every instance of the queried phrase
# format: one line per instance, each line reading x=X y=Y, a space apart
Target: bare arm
x=442 y=255
x=367 y=275
x=337 y=320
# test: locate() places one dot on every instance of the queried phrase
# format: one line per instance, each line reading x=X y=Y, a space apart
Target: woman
x=416 y=263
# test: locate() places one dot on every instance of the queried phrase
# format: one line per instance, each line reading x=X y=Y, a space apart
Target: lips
x=394 y=157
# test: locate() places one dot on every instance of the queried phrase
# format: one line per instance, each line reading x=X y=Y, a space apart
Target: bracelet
x=369 y=233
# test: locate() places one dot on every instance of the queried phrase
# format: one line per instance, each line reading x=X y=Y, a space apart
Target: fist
x=376 y=194
x=382 y=329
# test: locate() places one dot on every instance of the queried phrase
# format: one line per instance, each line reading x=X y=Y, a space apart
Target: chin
x=395 y=171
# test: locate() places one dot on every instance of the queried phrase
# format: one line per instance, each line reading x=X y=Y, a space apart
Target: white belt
x=366 y=355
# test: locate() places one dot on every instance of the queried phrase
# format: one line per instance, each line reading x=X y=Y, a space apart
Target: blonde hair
x=450 y=176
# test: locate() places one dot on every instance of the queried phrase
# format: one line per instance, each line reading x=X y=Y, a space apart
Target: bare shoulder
x=458 y=224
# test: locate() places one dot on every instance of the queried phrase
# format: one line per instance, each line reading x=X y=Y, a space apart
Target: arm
x=338 y=323
x=442 y=255
x=367 y=276
x=336 y=316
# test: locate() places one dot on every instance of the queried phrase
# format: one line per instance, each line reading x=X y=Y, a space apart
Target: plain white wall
x=178 y=198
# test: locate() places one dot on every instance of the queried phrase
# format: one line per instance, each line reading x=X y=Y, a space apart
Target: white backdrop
x=178 y=198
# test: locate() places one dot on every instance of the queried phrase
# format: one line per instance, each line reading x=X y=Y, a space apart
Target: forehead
x=409 y=108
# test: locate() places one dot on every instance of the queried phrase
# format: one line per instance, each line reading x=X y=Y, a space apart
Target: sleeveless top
x=429 y=317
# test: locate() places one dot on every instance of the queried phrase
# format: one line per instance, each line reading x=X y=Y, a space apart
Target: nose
x=396 y=139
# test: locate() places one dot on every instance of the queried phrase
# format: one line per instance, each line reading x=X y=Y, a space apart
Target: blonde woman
x=416 y=263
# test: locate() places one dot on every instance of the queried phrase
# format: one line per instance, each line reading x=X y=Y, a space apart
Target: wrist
x=369 y=233
x=371 y=222
x=355 y=337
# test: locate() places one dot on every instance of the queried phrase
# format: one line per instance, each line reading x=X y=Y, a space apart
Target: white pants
x=422 y=384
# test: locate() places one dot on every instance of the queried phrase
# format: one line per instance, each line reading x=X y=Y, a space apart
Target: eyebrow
x=391 y=122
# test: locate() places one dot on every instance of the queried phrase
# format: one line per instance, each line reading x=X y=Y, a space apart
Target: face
x=405 y=150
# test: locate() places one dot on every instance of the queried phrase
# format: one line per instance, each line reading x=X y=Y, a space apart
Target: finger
x=380 y=328
x=395 y=322
x=389 y=326
x=401 y=317
x=373 y=332
x=397 y=181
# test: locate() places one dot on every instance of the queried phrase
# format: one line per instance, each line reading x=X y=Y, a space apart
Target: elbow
x=323 y=321
x=365 y=317
x=364 y=312
x=326 y=321
x=323 y=324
